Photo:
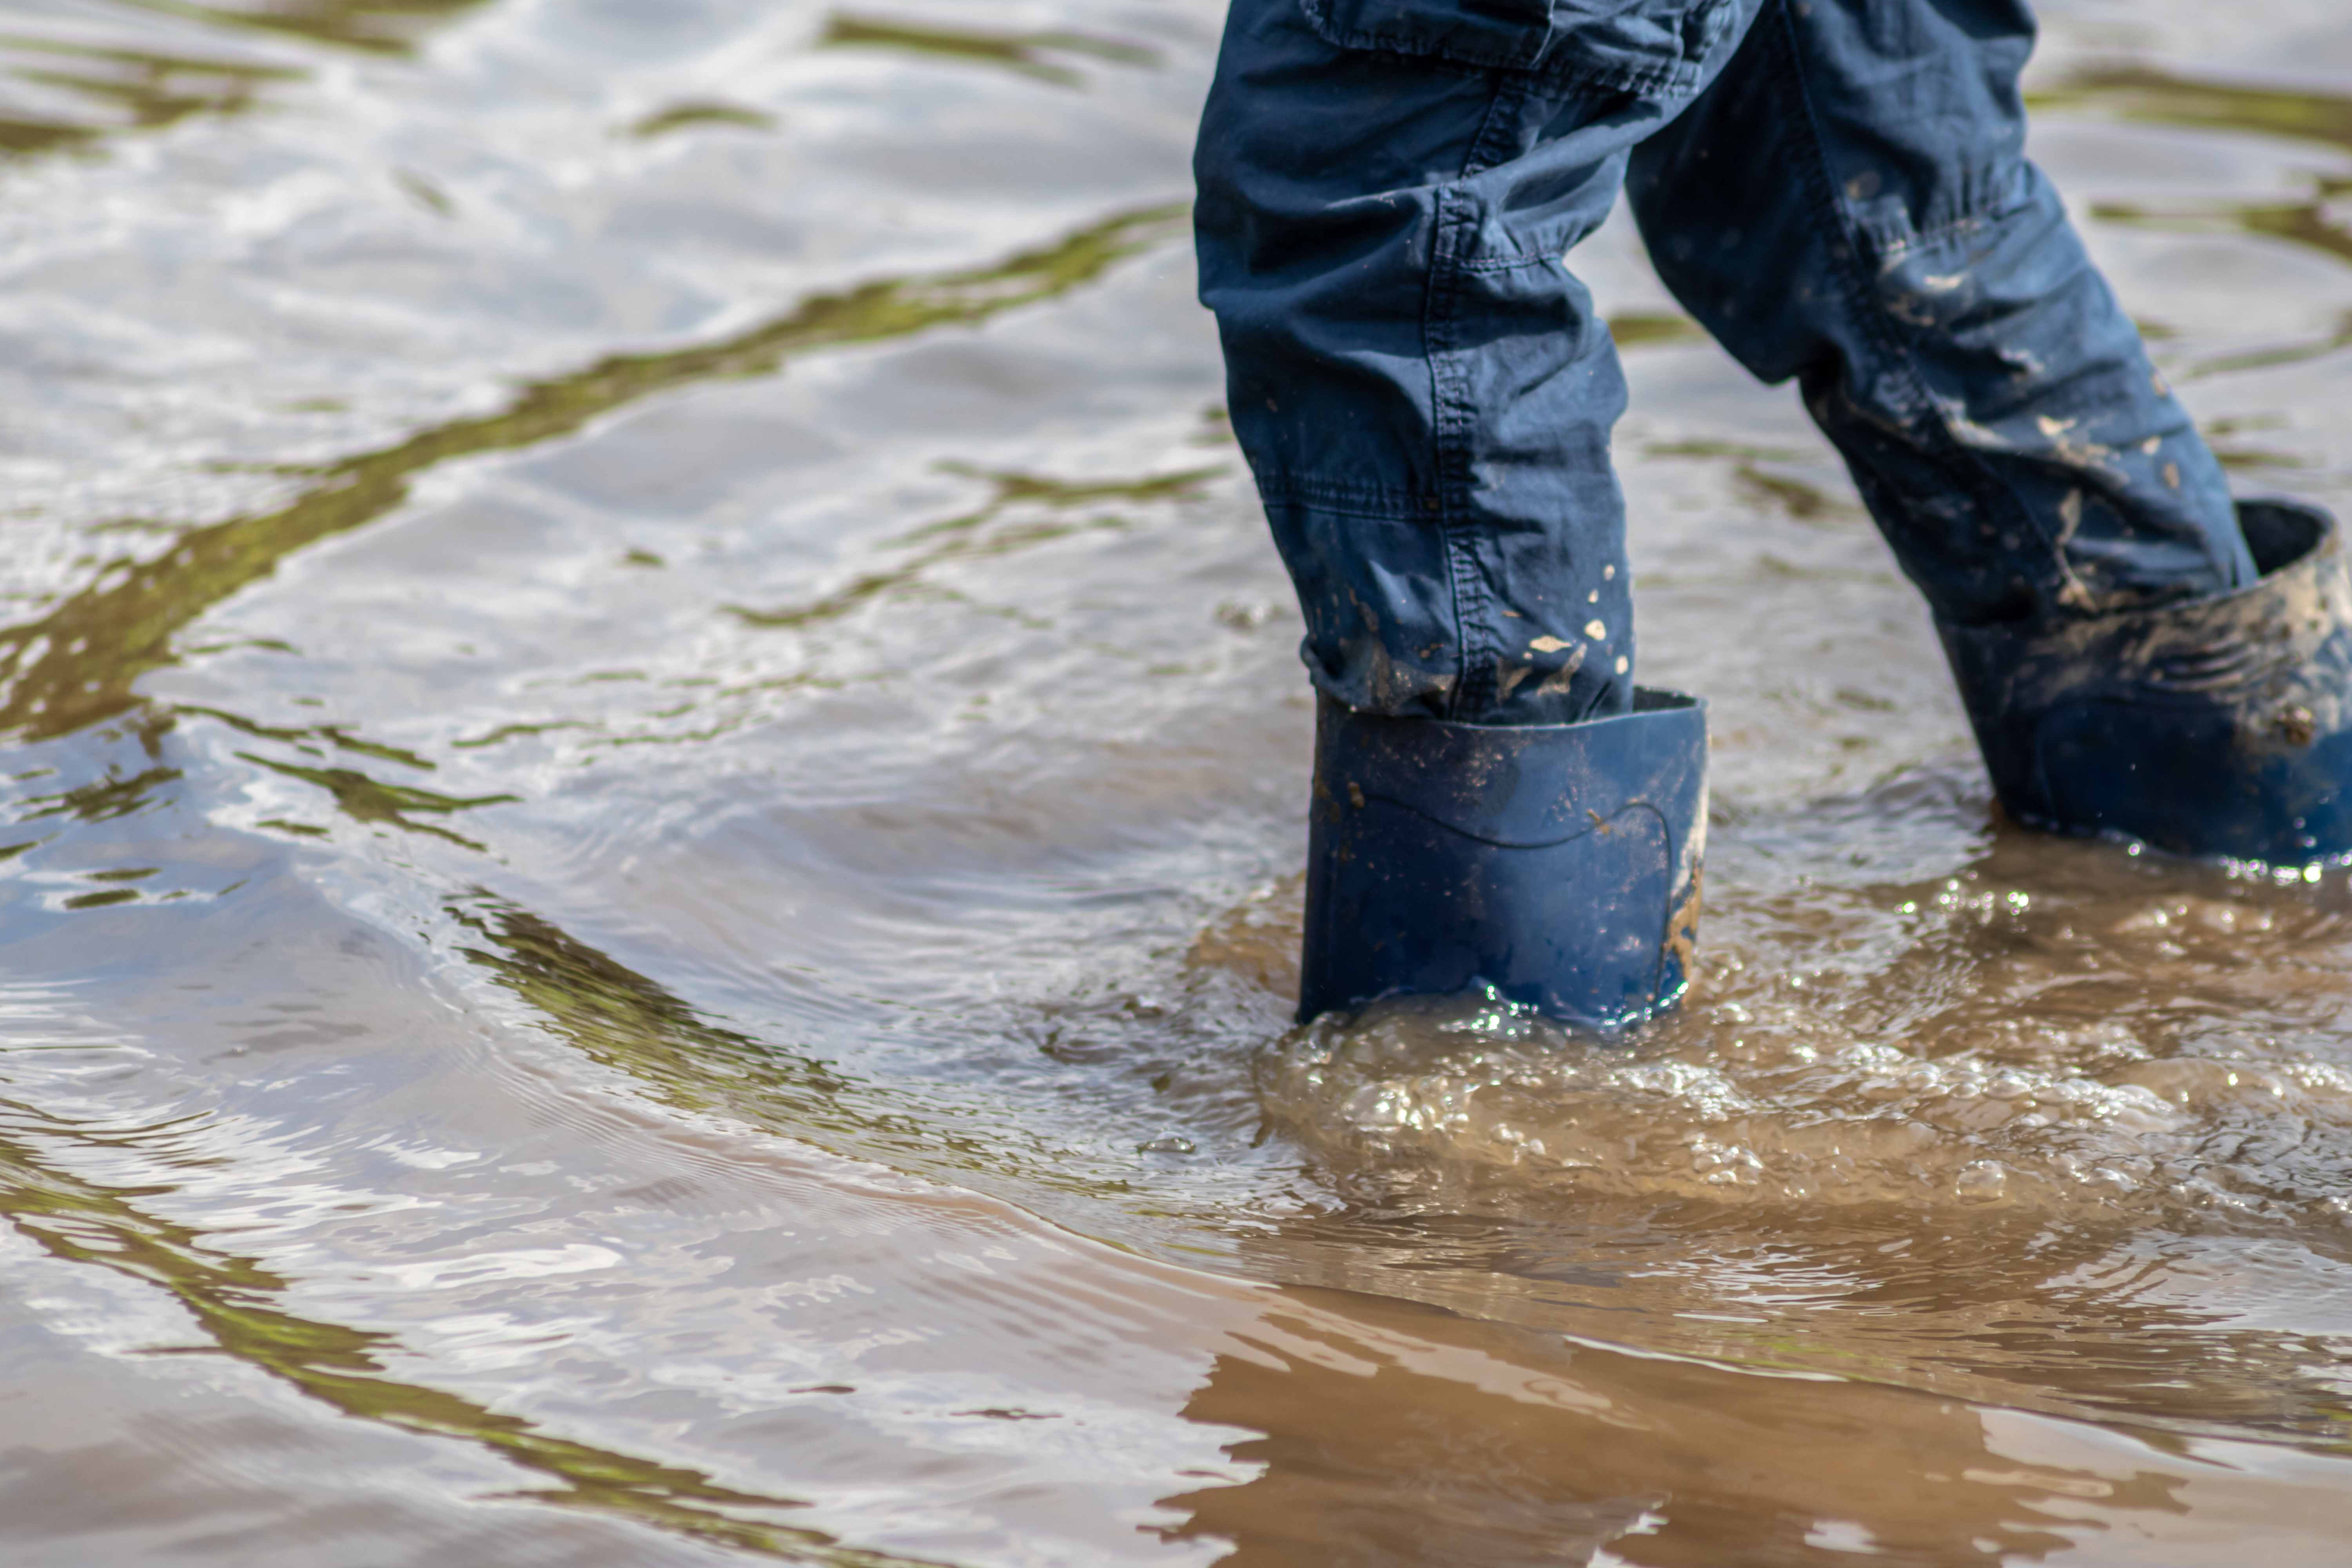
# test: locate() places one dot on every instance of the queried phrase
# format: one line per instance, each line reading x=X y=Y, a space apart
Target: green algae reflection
x=373 y=26
x=1023 y=52
x=623 y=1019
x=980 y=533
x=2148 y=96
x=630 y=1023
x=1640 y=329
x=2159 y=98
x=2305 y=224
x=117 y=90
x=358 y=796
x=702 y=112
x=109 y=86
x=2155 y=97
x=365 y=799
x=76 y=664
x=237 y=1304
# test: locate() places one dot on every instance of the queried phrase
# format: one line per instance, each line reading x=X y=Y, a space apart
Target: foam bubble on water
x=1812 y=1121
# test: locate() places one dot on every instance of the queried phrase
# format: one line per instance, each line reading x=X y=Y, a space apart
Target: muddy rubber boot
x=2216 y=727
x=1558 y=863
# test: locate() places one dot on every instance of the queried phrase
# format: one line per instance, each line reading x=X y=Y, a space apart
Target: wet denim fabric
x=1836 y=189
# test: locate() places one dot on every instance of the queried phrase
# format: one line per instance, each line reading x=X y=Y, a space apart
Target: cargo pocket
x=1629 y=46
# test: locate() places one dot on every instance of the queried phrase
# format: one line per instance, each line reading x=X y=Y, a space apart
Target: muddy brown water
x=655 y=785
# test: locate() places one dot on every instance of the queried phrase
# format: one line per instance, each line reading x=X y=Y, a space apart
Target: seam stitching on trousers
x=1454 y=418
x=1445 y=416
x=1513 y=262
x=1677 y=75
x=1395 y=506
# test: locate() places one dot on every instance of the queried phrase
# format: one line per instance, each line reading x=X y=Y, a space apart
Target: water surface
x=656 y=780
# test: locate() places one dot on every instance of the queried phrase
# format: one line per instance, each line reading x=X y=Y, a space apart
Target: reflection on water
x=365 y=799
x=377 y=26
x=2223 y=434
x=125 y=89
x=1594 y=1452
x=233 y=1301
x=2162 y=97
x=1027 y=53
x=1634 y=330
x=984 y=532
x=116 y=793
x=623 y=1019
x=91 y=90
x=589 y=937
x=75 y=666
x=679 y=116
x=2298 y=223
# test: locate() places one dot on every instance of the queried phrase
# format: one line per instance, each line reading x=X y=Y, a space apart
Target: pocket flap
x=1634 y=45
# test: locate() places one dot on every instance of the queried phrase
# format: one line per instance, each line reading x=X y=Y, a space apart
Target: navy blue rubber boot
x=2216 y=726
x=1556 y=863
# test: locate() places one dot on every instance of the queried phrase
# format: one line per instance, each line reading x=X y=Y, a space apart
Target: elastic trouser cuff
x=2220 y=726
x=1557 y=864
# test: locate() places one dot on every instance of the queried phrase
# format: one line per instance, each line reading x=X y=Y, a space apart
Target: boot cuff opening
x=2280 y=533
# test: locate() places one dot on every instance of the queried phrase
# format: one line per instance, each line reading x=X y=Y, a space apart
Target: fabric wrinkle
x=1391 y=193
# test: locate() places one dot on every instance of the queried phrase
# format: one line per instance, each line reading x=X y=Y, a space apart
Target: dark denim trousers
x=1836 y=189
